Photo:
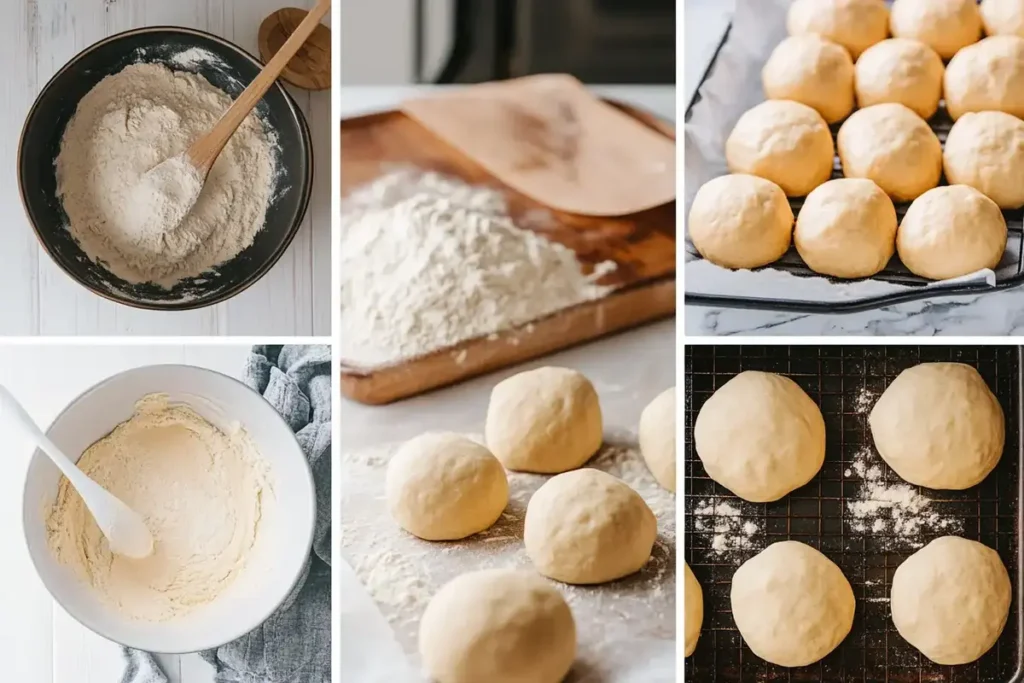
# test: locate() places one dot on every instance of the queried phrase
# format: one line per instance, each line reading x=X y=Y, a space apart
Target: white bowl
x=282 y=545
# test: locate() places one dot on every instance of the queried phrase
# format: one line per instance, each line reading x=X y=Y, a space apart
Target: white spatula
x=125 y=530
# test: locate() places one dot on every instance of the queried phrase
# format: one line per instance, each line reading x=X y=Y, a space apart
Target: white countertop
x=41 y=643
x=995 y=314
x=628 y=371
x=37 y=37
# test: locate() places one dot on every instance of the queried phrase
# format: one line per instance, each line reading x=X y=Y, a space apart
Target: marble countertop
x=994 y=314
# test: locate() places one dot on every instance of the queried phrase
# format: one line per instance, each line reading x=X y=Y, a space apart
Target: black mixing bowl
x=49 y=115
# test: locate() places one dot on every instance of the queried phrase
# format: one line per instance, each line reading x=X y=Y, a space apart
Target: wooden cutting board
x=642 y=244
x=551 y=139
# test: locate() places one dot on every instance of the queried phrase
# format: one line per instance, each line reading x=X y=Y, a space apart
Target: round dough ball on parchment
x=693 y=597
x=951 y=599
x=500 y=626
x=760 y=436
x=951 y=231
x=587 y=527
x=813 y=71
x=546 y=420
x=846 y=228
x=741 y=221
x=1003 y=17
x=944 y=25
x=657 y=435
x=854 y=24
x=986 y=151
x=785 y=142
x=938 y=425
x=893 y=146
x=792 y=605
x=443 y=487
x=988 y=76
x=903 y=71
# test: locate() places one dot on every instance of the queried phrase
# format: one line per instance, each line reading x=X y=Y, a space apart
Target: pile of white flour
x=203 y=493
x=428 y=261
x=135 y=225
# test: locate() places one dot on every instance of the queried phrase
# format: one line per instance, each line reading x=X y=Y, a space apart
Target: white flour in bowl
x=124 y=127
x=428 y=261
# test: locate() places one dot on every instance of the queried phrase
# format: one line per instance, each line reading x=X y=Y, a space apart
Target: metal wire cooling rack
x=837 y=377
x=895 y=272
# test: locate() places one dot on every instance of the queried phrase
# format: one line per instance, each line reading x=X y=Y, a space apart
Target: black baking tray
x=834 y=377
x=895 y=272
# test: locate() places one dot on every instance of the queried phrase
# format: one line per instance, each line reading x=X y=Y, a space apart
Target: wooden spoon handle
x=206 y=149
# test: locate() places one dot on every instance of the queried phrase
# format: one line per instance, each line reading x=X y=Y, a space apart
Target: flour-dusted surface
x=625 y=628
x=136 y=223
x=428 y=261
x=855 y=510
x=202 y=493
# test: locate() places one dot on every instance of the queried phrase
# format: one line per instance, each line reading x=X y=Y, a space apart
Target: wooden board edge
x=620 y=311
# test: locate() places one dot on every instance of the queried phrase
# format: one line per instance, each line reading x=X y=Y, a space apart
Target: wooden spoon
x=169 y=179
x=206 y=149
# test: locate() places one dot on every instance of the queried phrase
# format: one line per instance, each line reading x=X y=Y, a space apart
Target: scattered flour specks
x=732 y=530
x=895 y=512
x=864 y=401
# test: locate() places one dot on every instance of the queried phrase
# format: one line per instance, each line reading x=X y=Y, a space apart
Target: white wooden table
x=37 y=37
x=39 y=642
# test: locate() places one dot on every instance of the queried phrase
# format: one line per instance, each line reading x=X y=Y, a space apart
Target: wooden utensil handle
x=206 y=150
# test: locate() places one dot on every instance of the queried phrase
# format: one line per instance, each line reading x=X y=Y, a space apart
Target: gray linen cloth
x=294 y=644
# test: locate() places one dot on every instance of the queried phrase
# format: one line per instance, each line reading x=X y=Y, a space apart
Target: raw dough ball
x=903 y=71
x=546 y=420
x=693 y=598
x=786 y=142
x=1003 y=17
x=792 y=605
x=988 y=76
x=499 y=626
x=760 y=436
x=938 y=425
x=813 y=71
x=986 y=151
x=741 y=221
x=658 y=438
x=951 y=599
x=442 y=487
x=893 y=146
x=945 y=25
x=854 y=24
x=588 y=527
x=951 y=231
x=846 y=228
